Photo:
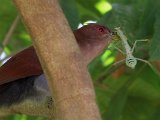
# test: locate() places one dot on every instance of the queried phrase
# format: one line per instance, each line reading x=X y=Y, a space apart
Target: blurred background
x=122 y=93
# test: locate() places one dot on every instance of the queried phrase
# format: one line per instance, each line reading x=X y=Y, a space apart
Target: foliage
x=132 y=94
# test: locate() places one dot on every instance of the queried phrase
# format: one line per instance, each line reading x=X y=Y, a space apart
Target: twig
x=10 y=33
x=11 y=30
x=108 y=72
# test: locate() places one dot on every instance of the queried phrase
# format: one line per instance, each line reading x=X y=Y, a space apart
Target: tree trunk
x=68 y=78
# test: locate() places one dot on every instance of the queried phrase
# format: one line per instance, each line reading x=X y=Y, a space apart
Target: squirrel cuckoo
x=23 y=86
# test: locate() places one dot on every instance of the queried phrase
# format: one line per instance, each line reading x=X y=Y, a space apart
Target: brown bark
x=68 y=78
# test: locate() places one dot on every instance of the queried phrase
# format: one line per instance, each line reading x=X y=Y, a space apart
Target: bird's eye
x=101 y=29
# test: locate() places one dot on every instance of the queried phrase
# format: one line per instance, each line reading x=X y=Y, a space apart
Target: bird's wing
x=23 y=64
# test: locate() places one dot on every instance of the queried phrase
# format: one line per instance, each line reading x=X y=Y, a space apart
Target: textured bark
x=67 y=74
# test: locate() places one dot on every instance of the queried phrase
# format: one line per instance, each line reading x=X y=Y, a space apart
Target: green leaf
x=71 y=12
x=155 y=44
x=138 y=108
x=117 y=103
x=88 y=10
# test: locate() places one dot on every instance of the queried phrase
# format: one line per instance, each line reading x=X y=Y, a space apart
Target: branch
x=68 y=78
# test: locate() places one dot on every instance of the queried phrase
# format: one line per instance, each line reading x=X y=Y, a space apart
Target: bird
x=23 y=85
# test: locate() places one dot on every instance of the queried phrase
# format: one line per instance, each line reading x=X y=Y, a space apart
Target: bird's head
x=92 y=39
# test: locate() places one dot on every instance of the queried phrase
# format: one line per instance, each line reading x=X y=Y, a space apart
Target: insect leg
x=117 y=63
x=119 y=50
x=150 y=65
x=134 y=45
x=114 y=46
